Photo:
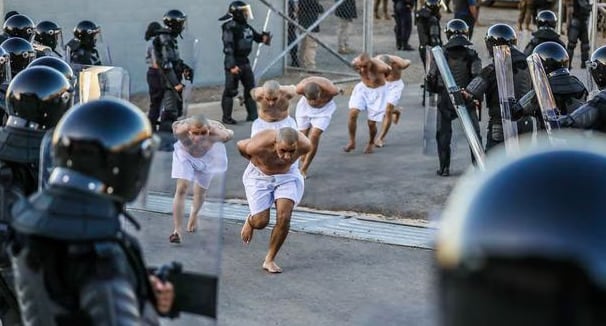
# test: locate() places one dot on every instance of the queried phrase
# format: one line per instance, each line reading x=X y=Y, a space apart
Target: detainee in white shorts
x=198 y=169
x=394 y=92
x=308 y=116
x=260 y=124
x=263 y=190
x=368 y=99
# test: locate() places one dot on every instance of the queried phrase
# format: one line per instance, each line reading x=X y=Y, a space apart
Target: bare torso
x=268 y=162
x=272 y=112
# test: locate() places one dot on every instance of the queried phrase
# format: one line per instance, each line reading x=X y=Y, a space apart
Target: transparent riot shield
x=504 y=73
x=430 y=145
x=97 y=81
x=192 y=265
x=457 y=100
x=591 y=86
x=545 y=97
x=189 y=48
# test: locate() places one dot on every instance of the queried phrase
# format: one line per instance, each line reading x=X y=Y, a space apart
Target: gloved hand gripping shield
x=544 y=95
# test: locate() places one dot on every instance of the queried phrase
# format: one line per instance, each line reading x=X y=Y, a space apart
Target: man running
x=395 y=86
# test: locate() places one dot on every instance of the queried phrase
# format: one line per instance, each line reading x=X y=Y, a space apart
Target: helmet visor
x=247 y=12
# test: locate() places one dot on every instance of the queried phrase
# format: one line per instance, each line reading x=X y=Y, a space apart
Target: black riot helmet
x=456 y=27
x=86 y=32
x=109 y=140
x=38 y=97
x=240 y=11
x=513 y=250
x=500 y=34
x=546 y=19
x=553 y=56
x=57 y=64
x=598 y=66
x=49 y=34
x=175 y=20
x=19 y=26
x=433 y=5
x=21 y=53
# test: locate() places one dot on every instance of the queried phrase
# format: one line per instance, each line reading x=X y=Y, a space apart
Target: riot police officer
x=73 y=262
x=524 y=243
x=485 y=84
x=36 y=99
x=546 y=21
x=48 y=37
x=402 y=12
x=428 y=26
x=568 y=91
x=21 y=53
x=592 y=115
x=465 y=64
x=238 y=37
x=19 y=26
x=82 y=48
x=578 y=30
x=172 y=68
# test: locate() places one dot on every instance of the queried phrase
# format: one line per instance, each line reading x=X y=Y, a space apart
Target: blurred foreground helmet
x=86 y=31
x=456 y=27
x=175 y=21
x=500 y=34
x=546 y=19
x=49 y=34
x=21 y=53
x=524 y=242
x=37 y=98
x=57 y=64
x=109 y=140
x=553 y=56
x=19 y=26
x=598 y=66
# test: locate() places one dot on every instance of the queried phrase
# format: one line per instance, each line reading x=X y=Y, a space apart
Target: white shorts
x=308 y=116
x=198 y=169
x=260 y=124
x=369 y=99
x=263 y=190
x=394 y=92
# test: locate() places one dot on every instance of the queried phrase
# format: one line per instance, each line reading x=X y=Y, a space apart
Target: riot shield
x=193 y=264
x=549 y=110
x=504 y=73
x=97 y=81
x=459 y=104
x=189 y=48
x=430 y=145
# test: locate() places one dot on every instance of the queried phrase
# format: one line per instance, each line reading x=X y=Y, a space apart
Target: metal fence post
x=368 y=27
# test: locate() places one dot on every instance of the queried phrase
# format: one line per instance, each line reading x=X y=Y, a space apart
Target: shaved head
x=312 y=91
x=199 y=120
x=271 y=87
x=288 y=135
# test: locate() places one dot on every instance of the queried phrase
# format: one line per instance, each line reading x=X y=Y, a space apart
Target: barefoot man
x=368 y=95
x=395 y=86
x=198 y=154
x=272 y=177
x=314 y=112
x=273 y=101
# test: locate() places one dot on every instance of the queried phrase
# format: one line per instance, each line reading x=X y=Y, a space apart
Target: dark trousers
x=292 y=36
x=444 y=134
x=156 y=93
x=403 y=17
x=578 y=30
x=247 y=78
x=494 y=136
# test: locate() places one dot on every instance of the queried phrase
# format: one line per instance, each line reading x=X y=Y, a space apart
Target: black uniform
x=402 y=12
x=428 y=27
x=465 y=64
x=591 y=115
x=541 y=36
x=82 y=54
x=568 y=91
x=238 y=37
x=73 y=263
x=578 y=30
x=486 y=84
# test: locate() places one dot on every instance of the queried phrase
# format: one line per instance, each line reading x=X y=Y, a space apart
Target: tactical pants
x=247 y=78
x=156 y=93
x=444 y=134
x=385 y=10
x=403 y=27
x=172 y=108
x=578 y=30
x=343 y=33
x=292 y=36
x=309 y=47
x=494 y=135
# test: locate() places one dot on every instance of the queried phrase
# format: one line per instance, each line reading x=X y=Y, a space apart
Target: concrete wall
x=123 y=23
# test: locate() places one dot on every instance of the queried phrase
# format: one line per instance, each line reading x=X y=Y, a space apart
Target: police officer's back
x=428 y=26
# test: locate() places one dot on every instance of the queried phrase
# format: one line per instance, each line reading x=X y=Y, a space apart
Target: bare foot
x=349 y=147
x=271 y=267
x=379 y=143
x=369 y=148
x=247 y=231
x=192 y=225
x=396 y=116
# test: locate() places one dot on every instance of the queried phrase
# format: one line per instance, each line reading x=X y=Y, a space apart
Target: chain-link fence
x=323 y=36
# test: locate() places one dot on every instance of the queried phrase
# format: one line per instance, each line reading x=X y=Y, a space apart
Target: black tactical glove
x=188 y=73
x=565 y=121
x=268 y=39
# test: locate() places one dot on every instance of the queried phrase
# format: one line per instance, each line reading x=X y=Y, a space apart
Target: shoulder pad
x=229 y=24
